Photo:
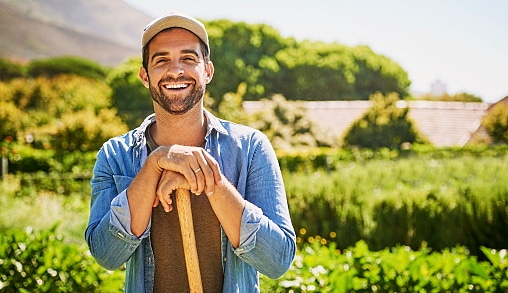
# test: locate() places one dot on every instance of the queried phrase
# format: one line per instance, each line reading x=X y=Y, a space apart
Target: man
x=241 y=220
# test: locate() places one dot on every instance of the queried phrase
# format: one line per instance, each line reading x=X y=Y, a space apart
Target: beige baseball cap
x=175 y=19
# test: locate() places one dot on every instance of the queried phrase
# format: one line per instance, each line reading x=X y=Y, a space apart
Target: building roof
x=442 y=123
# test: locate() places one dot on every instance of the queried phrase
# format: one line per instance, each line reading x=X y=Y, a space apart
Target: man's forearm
x=228 y=205
x=141 y=196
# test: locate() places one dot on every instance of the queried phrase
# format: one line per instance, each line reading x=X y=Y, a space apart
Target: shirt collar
x=213 y=123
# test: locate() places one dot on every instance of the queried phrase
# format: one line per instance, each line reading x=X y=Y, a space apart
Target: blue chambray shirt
x=247 y=160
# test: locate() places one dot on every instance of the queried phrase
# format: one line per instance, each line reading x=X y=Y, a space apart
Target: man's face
x=177 y=74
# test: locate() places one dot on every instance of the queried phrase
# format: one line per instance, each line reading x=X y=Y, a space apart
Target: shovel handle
x=183 y=203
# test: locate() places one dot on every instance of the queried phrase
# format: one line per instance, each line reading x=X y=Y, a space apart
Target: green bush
x=28 y=160
x=424 y=198
x=444 y=201
x=287 y=125
x=65 y=112
x=330 y=159
x=10 y=69
x=384 y=125
x=496 y=123
x=51 y=67
x=129 y=96
x=323 y=268
x=41 y=262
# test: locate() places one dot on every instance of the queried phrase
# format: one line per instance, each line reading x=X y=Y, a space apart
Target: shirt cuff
x=251 y=219
x=120 y=216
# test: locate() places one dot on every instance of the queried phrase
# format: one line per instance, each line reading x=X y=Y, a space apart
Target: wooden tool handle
x=183 y=204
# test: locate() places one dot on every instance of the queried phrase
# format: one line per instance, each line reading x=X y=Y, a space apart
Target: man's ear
x=143 y=75
x=209 y=72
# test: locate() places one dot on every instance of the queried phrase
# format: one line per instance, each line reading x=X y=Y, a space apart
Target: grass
x=43 y=211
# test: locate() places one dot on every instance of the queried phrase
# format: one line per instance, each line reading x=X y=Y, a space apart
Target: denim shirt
x=246 y=159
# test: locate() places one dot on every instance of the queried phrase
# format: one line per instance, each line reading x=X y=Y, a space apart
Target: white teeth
x=176 y=86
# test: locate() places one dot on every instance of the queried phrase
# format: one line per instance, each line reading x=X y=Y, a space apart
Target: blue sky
x=463 y=44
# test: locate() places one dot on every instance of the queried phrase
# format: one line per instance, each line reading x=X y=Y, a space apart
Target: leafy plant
x=41 y=262
x=323 y=268
x=496 y=123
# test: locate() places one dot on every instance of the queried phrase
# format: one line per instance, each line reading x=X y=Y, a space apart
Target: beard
x=176 y=104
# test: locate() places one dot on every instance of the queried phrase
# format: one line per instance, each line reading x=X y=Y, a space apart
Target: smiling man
x=241 y=220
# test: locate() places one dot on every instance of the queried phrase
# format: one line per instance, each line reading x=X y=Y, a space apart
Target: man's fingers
x=156 y=201
x=214 y=166
x=164 y=197
x=198 y=167
x=167 y=204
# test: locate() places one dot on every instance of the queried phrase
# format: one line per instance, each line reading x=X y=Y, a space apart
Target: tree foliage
x=238 y=51
x=252 y=62
x=319 y=71
x=50 y=67
x=86 y=130
x=11 y=69
x=496 y=123
x=459 y=97
x=386 y=124
x=287 y=126
x=230 y=106
x=9 y=120
x=130 y=97
x=46 y=110
x=269 y=64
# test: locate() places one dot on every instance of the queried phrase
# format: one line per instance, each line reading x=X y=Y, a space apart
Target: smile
x=176 y=86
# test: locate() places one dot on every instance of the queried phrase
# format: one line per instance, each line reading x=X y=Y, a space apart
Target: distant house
x=442 y=123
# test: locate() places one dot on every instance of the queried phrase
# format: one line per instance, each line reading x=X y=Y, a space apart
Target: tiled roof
x=442 y=123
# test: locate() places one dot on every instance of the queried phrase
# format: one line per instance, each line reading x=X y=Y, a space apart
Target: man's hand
x=168 y=183
x=197 y=166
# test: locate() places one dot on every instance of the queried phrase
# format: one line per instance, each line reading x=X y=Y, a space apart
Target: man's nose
x=174 y=70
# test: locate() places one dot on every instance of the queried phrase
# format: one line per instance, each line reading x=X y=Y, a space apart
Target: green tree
x=86 y=130
x=287 y=126
x=378 y=73
x=10 y=69
x=314 y=71
x=496 y=123
x=56 y=95
x=9 y=120
x=54 y=66
x=331 y=71
x=130 y=97
x=268 y=64
x=230 y=106
x=239 y=51
x=386 y=124
x=459 y=97
x=66 y=112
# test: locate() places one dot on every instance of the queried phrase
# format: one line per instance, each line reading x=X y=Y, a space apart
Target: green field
x=365 y=224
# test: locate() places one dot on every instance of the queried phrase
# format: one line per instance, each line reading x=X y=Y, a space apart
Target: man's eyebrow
x=190 y=51
x=164 y=53
x=157 y=54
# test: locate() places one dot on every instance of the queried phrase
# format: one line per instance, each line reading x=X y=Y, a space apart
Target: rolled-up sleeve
x=267 y=237
x=120 y=216
x=108 y=233
x=251 y=218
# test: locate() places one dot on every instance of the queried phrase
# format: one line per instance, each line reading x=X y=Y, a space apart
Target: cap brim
x=171 y=21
